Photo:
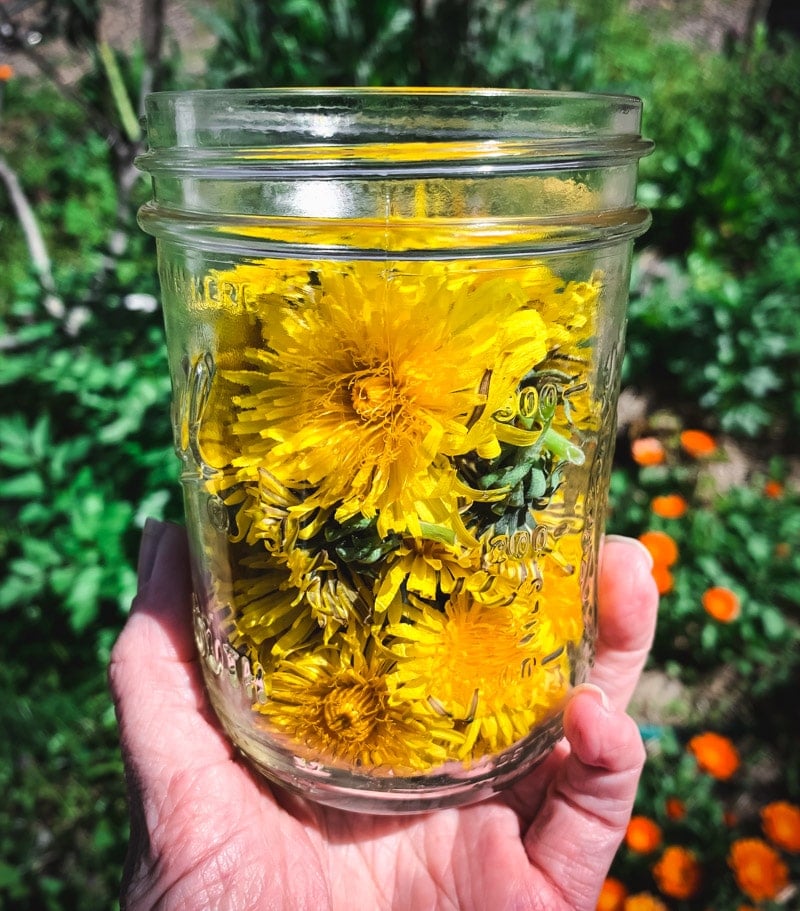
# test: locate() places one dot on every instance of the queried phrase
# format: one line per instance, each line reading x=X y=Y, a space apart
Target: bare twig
x=420 y=28
x=33 y=238
x=152 y=46
x=756 y=16
x=119 y=93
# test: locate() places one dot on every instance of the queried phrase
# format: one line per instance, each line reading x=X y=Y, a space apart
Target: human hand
x=206 y=833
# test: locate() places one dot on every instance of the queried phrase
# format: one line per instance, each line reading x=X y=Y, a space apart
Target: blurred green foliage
x=85 y=449
x=85 y=456
x=63 y=821
x=727 y=343
x=714 y=317
x=396 y=42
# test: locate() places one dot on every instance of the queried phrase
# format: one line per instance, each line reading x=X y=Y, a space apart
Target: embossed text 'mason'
x=222 y=659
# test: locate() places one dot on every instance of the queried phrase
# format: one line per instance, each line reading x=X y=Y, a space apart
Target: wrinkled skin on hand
x=206 y=833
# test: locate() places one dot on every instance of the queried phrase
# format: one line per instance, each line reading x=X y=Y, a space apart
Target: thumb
x=576 y=833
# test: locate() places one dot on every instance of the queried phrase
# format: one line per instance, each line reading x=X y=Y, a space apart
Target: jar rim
x=408 y=91
x=262 y=129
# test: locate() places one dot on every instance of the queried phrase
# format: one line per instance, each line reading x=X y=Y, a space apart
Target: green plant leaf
x=26 y=486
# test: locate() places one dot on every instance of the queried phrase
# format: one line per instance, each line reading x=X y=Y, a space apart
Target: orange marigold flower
x=715 y=754
x=730 y=818
x=665 y=581
x=760 y=873
x=612 y=895
x=781 y=822
x=746 y=908
x=669 y=506
x=675 y=809
x=662 y=547
x=721 y=604
x=642 y=835
x=648 y=451
x=677 y=873
x=773 y=489
x=644 y=901
x=698 y=443
x=6 y=72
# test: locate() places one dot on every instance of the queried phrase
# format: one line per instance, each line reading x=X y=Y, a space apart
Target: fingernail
x=632 y=542
x=596 y=693
x=152 y=533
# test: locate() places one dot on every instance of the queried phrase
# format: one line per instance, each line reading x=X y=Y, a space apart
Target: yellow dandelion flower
x=569 y=312
x=266 y=609
x=351 y=402
x=510 y=568
x=495 y=670
x=271 y=513
x=568 y=309
x=562 y=581
x=282 y=604
x=252 y=288
x=562 y=601
x=543 y=563
x=394 y=445
x=334 y=594
x=234 y=302
x=426 y=567
x=337 y=704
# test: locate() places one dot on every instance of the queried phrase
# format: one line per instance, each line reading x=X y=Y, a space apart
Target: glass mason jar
x=395 y=322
